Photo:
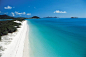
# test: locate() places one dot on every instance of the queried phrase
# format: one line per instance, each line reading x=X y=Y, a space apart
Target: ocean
x=57 y=37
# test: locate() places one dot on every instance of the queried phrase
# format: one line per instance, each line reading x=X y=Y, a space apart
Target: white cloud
x=12 y=14
x=57 y=11
x=28 y=13
x=16 y=12
x=22 y=13
x=8 y=7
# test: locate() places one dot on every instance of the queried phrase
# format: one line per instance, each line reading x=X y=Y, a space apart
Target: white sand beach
x=26 y=45
x=16 y=44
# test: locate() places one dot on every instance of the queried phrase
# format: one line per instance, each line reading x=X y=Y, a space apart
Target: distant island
x=9 y=17
x=51 y=17
x=35 y=17
x=6 y=17
x=74 y=17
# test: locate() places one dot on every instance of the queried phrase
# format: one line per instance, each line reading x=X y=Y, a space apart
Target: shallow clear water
x=57 y=37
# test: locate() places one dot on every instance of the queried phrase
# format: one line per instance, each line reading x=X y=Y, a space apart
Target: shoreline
x=17 y=43
x=26 y=44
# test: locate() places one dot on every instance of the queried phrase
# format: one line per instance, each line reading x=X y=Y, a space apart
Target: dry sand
x=26 y=45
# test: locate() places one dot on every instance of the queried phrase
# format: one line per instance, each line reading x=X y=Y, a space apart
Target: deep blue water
x=57 y=37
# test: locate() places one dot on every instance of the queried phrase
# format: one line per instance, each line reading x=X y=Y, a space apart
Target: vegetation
x=9 y=26
x=0 y=38
x=6 y=17
x=14 y=18
x=10 y=17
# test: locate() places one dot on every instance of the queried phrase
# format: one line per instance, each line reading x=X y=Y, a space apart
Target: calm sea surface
x=57 y=37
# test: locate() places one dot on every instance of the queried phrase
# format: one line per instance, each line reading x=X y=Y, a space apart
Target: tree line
x=9 y=26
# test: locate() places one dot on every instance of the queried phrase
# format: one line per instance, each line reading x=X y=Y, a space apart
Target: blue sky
x=42 y=8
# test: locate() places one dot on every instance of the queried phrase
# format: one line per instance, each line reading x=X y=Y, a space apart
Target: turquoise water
x=57 y=37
